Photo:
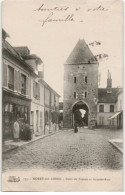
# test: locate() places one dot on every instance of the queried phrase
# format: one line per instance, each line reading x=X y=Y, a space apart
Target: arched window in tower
x=85 y=79
x=85 y=94
x=74 y=79
x=75 y=95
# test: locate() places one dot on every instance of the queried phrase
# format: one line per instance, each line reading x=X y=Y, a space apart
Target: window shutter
x=34 y=94
x=38 y=91
x=19 y=82
x=27 y=86
x=4 y=75
x=16 y=81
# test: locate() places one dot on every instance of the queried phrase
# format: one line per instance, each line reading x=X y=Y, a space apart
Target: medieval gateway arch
x=80 y=85
x=84 y=111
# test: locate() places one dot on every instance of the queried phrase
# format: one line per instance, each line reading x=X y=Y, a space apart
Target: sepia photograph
x=62 y=95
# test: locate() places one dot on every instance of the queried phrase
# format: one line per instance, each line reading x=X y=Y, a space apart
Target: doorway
x=80 y=112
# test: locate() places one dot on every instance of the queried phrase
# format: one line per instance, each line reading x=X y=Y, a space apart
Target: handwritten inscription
x=69 y=17
x=99 y=8
x=56 y=8
x=50 y=19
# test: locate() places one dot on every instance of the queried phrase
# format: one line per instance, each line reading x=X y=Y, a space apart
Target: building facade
x=36 y=89
x=51 y=109
x=25 y=93
x=109 y=113
x=80 y=85
x=119 y=107
x=16 y=98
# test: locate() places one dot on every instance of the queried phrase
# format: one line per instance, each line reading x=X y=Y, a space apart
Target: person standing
x=16 y=130
x=76 y=120
x=75 y=127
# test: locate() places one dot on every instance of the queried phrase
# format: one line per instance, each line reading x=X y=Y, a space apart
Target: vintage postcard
x=62 y=95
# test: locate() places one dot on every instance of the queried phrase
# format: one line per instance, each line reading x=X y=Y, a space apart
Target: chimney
x=41 y=75
x=109 y=83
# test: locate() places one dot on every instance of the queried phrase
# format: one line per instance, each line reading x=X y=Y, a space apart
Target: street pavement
x=66 y=150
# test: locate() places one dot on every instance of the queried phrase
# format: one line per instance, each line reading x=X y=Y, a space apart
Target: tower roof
x=81 y=54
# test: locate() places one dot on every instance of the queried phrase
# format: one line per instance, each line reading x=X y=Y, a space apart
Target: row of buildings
x=25 y=93
x=103 y=106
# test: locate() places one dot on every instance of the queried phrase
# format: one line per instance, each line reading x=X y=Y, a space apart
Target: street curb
x=115 y=146
x=41 y=137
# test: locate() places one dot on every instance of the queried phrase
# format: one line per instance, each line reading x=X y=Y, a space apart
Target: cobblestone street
x=87 y=149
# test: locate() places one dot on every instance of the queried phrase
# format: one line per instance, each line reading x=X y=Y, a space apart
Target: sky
x=54 y=41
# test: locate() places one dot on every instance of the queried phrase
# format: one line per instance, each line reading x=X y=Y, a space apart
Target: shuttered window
x=41 y=119
x=4 y=76
x=23 y=84
x=10 y=78
x=101 y=108
x=36 y=90
x=111 y=108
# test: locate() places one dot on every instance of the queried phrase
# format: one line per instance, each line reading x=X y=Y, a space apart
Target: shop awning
x=116 y=114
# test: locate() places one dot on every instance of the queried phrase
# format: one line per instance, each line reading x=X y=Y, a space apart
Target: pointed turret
x=109 y=83
x=81 y=54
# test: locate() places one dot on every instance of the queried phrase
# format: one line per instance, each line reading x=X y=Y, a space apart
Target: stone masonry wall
x=91 y=87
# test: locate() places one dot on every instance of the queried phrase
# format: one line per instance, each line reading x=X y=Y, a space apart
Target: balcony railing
x=10 y=86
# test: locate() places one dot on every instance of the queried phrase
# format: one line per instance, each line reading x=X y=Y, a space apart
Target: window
x=36 y=90
x=40 y=119
x=111 y=108
x=32 y=118
x=74 y=79
x=74 y=94
x=85 y=94
x=46 y=118
x=23 y=84
x=101 y=108
x=101 y=120
x=11 y=78
x=85 y=79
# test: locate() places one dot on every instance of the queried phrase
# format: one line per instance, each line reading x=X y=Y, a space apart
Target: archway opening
x=80 y=113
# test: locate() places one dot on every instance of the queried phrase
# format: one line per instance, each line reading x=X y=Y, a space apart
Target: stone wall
x=80 y=87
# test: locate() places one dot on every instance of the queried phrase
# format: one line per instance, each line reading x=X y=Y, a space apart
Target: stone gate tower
x=80 y=85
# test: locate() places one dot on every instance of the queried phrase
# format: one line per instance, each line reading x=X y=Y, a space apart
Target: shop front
x=14 y=106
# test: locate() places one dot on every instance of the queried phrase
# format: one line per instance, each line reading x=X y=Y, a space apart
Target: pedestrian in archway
x=77 y=120
x=76 y=127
